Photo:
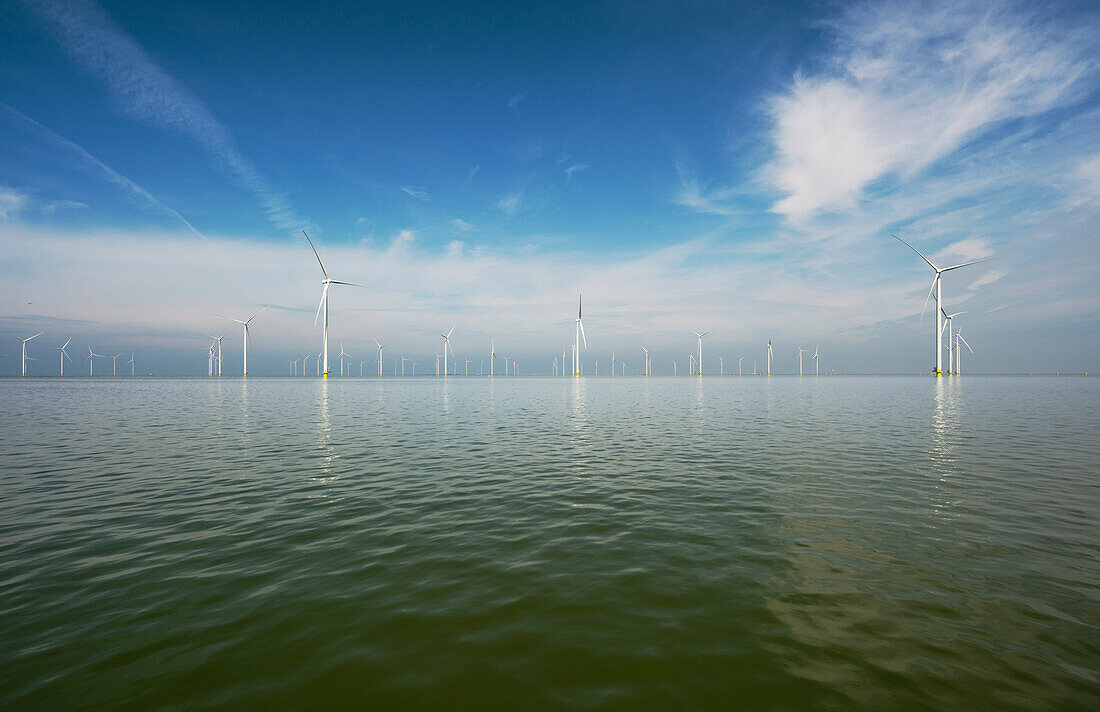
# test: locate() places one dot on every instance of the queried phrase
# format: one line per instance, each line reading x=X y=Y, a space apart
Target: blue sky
x=738 y=168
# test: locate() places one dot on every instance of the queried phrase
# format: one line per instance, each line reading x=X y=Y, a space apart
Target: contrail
x=113 y=175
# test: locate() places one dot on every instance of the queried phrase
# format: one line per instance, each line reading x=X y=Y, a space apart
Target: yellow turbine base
x=324 y=375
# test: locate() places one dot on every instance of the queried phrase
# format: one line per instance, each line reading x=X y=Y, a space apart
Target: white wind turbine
x=800 y=352
x=210 y=359
x=131 y=362
x=25 y=358
x=244 y=323
x=492 y=356
x=577 y=341
x=361 y=367
x=612 y=363
x=447 y=345
x=936 y=287
x=769 y=357
x=958 y=358
x=817 y=364
x=721 y=366
x=327 y=281
x=218 y=340
x=739 y=365
x=63 y=355
x=380 y=347
x=555 y=365
x=467 y=365
x=699 y=360
x=646 y=356
x=92 y=355
x=341 y=358
x=948 y=324
x=114 y=363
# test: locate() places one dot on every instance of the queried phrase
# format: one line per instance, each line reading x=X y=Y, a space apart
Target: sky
x=737 y=168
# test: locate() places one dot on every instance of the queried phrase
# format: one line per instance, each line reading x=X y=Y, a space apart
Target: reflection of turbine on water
x=943 y=453
x=324 y=432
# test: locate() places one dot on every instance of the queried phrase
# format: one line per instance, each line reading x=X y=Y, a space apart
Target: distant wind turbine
x=447 y=345
x=699 y=360
x=769 y=357
x=936 y=287
x=739 y=365
x=24 y=341
x=92 y=355
x=114 y=364
x=800 y=352
x=380 y=347
x=958 y=358
x=341 y=358
x=131 y=362
x=577 y=341
x=244 y=368
x=63 y=355
x=949 y=325
x=218 y=339
x=646 y=359
x=817 y=364
x=326 y=282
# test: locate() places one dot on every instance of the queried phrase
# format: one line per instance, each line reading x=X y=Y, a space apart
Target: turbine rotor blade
x=917 y=251
x=583 y=338
x=925 y=307
x=350 y=284
x=316 y=255
x=324 y=296
x=967 y=264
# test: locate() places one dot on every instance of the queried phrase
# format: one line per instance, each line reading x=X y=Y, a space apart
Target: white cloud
x=514 y=102
x=907 y=85
x=147 y=93
x=461 y=225
x=415 y=192
x=1087 y=175
x=12 y=202
x=575 y=168
x=510 y=204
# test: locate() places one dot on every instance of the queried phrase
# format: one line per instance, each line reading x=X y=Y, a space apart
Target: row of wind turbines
x=944 y=321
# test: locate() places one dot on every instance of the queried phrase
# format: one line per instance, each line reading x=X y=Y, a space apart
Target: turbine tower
x=699 y=360
x=646 y=359
x=739 y=365
x=817 y=364
x=800 y=352
x=244 y=323
x=131 y=362
x=492 y=356
x=326 y=282
x=948 y=324
x=114 y=363
x=769 y=357
x=446 y=345
x=92 y=355
x=218 y=339
x=25 y=359
x=63 y=355
x=958 y=359
x=936 y=287
x=577 y=341
x=341 y=358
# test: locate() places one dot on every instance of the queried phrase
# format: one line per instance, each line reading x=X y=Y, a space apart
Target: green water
x=526 y=543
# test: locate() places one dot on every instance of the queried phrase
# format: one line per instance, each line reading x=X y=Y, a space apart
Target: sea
x=540 y=543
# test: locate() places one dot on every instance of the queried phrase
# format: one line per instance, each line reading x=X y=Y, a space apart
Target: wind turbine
x=341 y=358
x=769 y=357
x=327 y=281
x=114 y=363
x=817 y=364
x=948 y=324
x=577 y=341
x=131 y=362
x=62 y=356
x=91 y=362
x=25 y=359
x=437 y=364
x=555 y=365
x=958 y=359
x=936 y=287
x=361 y=367
x=800 y=352
x=492 y=356
x=446 y=345
x=380 y=347
x=700 y=359
x=646 y=359
x=210 y=359
x=244 y=323
x=721 y=366
x=739 y=365
x=612 y=363
x=218 y=339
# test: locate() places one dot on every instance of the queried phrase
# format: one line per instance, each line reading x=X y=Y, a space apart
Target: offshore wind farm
x=832 y=443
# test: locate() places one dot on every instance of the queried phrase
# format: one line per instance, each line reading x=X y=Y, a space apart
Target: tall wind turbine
x=800 y=352
x=114 y=363
x=646 y=359
x=948 y=324
x=721 y=366
x=324 y=302
x=63 y=355
x=612 y=363
x=447 y=345
x=699 y=361
x=25 y=359
x=92 y=355
x=244 y=323
x=492 y=356
x=817 y=364
x=769 y=357
x=131 y=362
x=739 y=365
x=218 y=339
x=380 y=347
x=577 y=341
x=936 y=287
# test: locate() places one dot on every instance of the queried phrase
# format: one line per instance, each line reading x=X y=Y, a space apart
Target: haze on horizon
x=735 y=168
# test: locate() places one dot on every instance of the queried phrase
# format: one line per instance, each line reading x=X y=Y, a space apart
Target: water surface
x=550 y=543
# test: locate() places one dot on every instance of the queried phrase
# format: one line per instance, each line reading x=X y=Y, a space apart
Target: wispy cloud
x=511 y=203
x=575 y=168
x=908 y=84
x=12 y=202
x=149 y=94
x=415 y=192
x=111 y=174
x=461 y=225
x=516 y=100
